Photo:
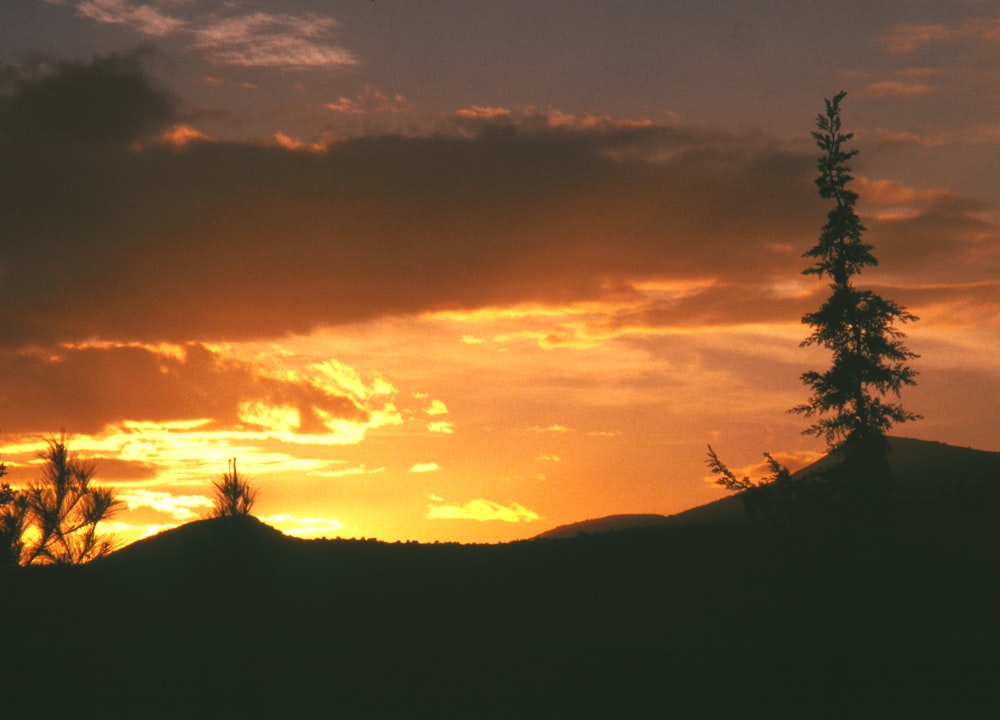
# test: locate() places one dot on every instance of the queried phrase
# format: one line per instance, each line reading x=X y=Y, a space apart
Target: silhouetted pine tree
x=64 y=509
x=851 y=404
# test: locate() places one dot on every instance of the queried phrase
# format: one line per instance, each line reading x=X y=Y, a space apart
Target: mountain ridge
x=919 y=466
x=228 y=617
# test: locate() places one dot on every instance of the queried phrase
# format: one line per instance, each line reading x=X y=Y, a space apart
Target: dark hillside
x=229 y=618
x=924 y=471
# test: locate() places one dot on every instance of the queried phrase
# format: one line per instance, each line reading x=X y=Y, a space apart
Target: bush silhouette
x=233 y=494
x=12 y=512
x=766 y=500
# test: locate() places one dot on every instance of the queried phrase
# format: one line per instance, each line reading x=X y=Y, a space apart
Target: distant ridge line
x=923 y=470
x=605 y=524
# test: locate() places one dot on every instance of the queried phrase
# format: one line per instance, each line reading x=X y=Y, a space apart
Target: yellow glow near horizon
x=518 y=431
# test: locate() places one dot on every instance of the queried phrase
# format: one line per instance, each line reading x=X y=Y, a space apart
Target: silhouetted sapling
x=233 y=494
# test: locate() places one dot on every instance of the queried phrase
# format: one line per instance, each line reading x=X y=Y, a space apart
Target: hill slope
x=229 y=618
x=924 y=471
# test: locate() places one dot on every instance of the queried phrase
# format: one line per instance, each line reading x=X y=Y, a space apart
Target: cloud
x=107 y=100
x=481 y=511
x=482 y=112
x=116 y=469
x=147 y=19
x=436 y=408
x=304 y=527
x=478 y=117
x=370 y=101
x=263 y=39
x=236 y=241
x=347 y=472
x=181 y=508
x=90 y=387
x=181 y=135
x=289 y=143
x=557 y=429
x=427 y=467
x=897 y=89
x=906 y=39
x=441 y=426
x=227 y=34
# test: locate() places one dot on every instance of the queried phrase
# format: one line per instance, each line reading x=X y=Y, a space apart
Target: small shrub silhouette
x=766 y=500
x=233 y=494
x=12 y=513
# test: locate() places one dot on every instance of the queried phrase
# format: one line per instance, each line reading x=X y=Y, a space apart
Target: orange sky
x=418 y=311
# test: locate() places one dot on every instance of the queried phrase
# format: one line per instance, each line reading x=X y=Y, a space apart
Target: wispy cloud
x=909 y=38
x=182 y=135
x=272 y=40
x=304 y=527
x=182 y=508
x=145 y=18
x=483 y=112
x=348 y=472
x=289 y=143
x=427 y=467
x=480 y=510
x=228 y=35
x=284 y=397
x=478 y=116
x=897 y=89
x=557 y=429
x=371 y=100
x=442 y=427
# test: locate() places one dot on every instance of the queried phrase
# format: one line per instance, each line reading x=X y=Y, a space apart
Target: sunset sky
x=465 y=271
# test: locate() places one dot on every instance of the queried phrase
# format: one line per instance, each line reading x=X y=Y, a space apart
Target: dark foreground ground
x=231 y=619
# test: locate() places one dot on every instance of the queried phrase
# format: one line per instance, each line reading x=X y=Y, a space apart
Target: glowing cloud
x=289 y=143
x=304 y=527
x=347 y=472
x=441 y=426
x=370 y=100
x=558 y=429
x=182 y=135
x=436 y=408
x=180 y=507
x=480 y=112
x=425 y=467
x=276 y=418
x=481 y=511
